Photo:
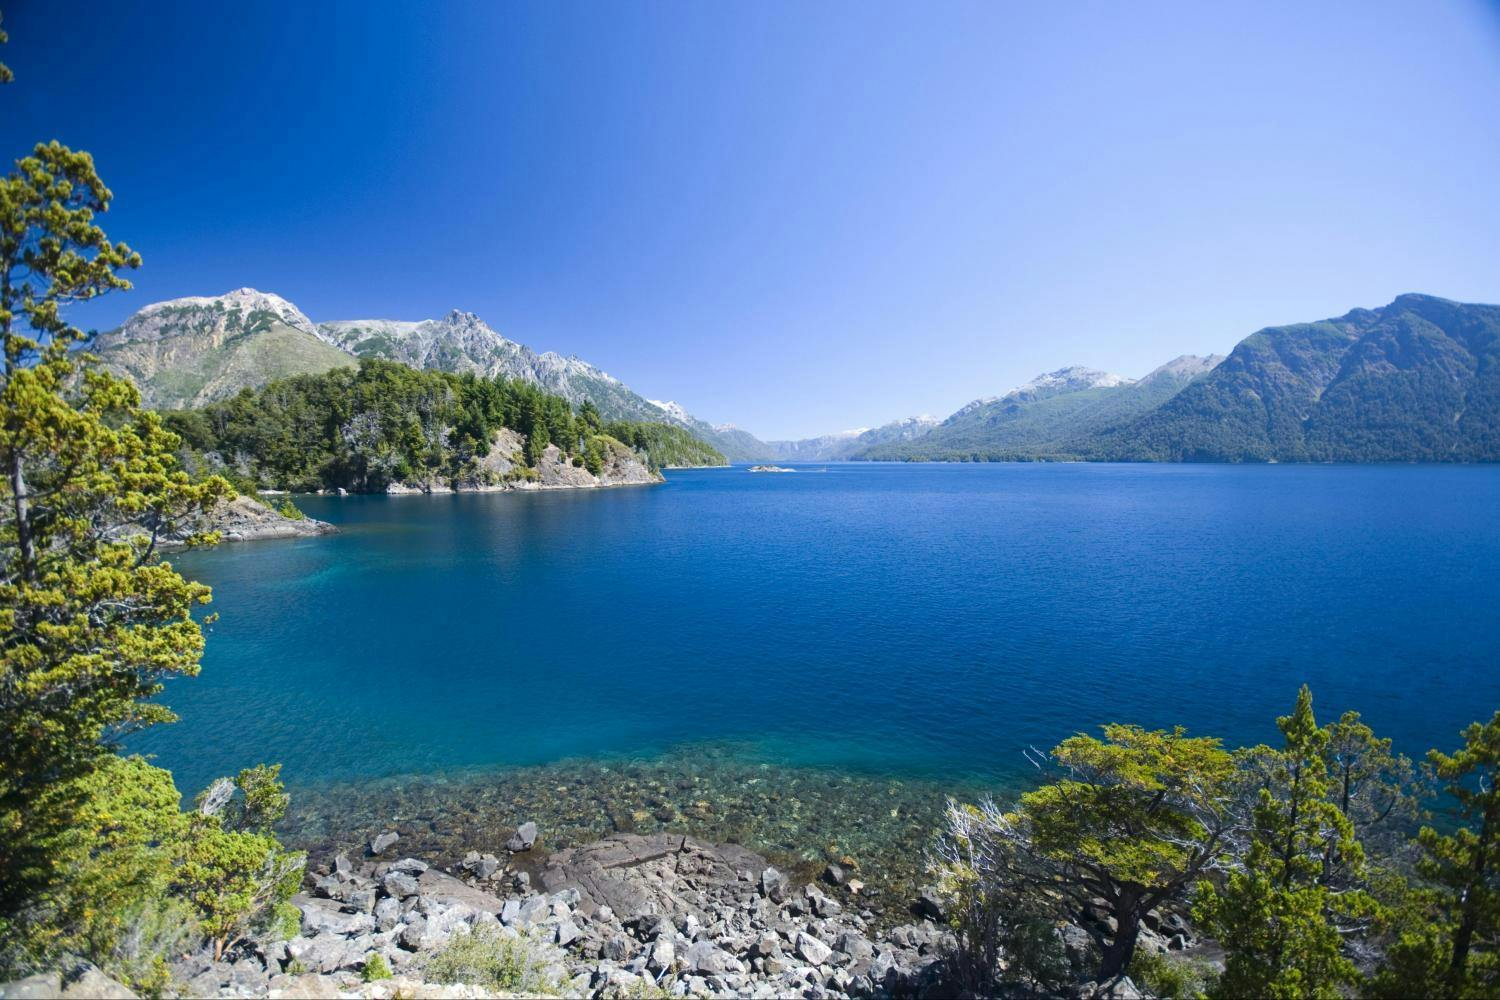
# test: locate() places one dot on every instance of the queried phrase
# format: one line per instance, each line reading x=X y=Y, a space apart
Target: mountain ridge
x=195 y=350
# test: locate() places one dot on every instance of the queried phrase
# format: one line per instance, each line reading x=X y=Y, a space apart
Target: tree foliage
x=90 y=620
x=362 y=429
x=1277 y=910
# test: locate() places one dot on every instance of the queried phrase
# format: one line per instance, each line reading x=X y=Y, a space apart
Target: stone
x=773 y=885
x=361 y=900
x=387 y=914
x=382 y=842
x=524 y=839
x=661 y=956
x=411 y=866
x=400 y=884
x=41 y=986
x=342 y=866
x=929 y=905
x=567 y=932
x=94 y=985
x=766 y=944
x=835 y=874
x=534 y=909
x=486 y=868
x=510 y=911
x=325 y=953
x=617 y=948
x=811 y=950
x=323 y=916
x=707 y=958
x=820 y=904
x=856 y=946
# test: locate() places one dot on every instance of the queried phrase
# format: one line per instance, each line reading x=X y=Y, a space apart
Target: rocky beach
x=634 y=915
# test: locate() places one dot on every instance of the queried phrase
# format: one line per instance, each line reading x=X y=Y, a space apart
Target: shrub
x=493 y=959
x=1172 y=978
x=376 y=968
x=290 y=511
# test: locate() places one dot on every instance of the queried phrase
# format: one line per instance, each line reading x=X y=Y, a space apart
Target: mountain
x=189 y=352
x=192 y=351
x=844 y=445
x=1043 y=417
x=461 y=342
x=1415 y=381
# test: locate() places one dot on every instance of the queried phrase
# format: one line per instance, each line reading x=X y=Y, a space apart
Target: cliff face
x=504 y=469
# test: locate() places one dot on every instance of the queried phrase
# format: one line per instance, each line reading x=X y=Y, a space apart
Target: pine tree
x=1446 y=946
x=1275 y=913
x=90 y=619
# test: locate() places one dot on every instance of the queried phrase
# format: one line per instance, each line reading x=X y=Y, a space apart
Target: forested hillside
x=1415 y=381
x=383 y=423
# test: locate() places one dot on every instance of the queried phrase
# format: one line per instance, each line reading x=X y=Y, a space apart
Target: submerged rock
x=524 y=839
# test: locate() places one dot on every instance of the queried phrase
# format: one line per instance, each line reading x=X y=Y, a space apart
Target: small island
x=770 y=468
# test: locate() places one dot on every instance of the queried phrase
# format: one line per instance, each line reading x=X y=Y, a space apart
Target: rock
x=617 y=948
x=812 y=951
x=534 y=909
x=41 y=986
x=766 y=945
x=773 y=885
x=856 y=946
x=707 y=958
x=323 y=916
x=819 y=904
x=411 y=866
x=362 y=900
x=524 y=839
x=661 y=956
x=382 y=842
x=929 y=905
x=400 y=884
x=326 y=953
x=387 y=914
x=835 y=875
x=90 y=985
x=567 y=932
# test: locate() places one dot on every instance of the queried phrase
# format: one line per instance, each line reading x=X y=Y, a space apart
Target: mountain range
x=1416 y=380
x=192 y=351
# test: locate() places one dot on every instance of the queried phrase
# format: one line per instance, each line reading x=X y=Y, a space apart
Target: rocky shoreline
x=632 y=915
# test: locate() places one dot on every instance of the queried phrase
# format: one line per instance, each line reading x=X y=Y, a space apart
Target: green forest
x=362 y=429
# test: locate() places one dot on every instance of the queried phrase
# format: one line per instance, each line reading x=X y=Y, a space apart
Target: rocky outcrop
x=504 y=469
x=245 y=519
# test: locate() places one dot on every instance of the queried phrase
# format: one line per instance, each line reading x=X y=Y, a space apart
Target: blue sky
x=798 y=217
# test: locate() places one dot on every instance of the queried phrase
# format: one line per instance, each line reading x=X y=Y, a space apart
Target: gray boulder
x=811 y=950
x=400 y=884
x=707 y=959
x=524 y=839
x=382 y=842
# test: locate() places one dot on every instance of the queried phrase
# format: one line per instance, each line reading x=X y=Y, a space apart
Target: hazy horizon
x=798 y=219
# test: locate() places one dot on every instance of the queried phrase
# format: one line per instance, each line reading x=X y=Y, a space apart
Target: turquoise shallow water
x=889 y=621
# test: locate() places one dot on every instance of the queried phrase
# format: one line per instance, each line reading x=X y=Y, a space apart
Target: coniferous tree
x=1276 y=914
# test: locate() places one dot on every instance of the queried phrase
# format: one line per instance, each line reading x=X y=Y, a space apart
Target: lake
x=868 y=627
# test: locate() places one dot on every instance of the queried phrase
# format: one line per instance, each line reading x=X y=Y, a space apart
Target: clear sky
x=797 y=217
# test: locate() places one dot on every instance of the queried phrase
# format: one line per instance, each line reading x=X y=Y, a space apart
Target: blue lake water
x=912 y=621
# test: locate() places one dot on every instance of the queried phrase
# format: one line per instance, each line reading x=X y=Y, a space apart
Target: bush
x=493 y=959
x=290 y=511
x=1172 y=978
x=376 y=968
